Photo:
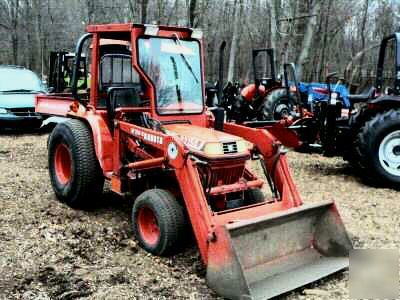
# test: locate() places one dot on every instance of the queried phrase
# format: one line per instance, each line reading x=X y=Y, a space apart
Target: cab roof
x=111 y=30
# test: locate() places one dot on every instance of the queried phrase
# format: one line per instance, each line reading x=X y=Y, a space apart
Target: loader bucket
x=264 y=257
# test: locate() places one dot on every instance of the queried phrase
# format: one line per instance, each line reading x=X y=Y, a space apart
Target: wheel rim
x=389 y=153
x=63 y=163
x=148 y=227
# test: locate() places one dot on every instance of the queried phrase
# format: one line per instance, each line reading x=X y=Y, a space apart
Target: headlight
x=3 y=111
x=213 y=149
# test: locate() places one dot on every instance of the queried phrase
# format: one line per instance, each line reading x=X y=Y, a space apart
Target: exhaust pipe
x=268 y=256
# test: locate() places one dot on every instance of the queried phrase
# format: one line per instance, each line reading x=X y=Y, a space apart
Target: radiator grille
x=221 y=175
x=23 y=111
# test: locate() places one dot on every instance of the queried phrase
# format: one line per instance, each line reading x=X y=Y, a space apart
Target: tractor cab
x=144 y=75
x=152 y=77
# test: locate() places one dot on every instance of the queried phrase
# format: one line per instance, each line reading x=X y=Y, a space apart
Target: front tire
x=159 y=222
x=74 y=170
x=378 y=146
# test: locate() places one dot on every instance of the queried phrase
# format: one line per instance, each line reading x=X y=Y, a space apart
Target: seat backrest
x=126 y=97
x=116 y=71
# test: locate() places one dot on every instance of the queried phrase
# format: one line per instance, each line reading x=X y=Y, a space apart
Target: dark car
x=18 y=87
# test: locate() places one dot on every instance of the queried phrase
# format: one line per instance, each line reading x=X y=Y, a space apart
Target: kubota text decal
x=152 y=138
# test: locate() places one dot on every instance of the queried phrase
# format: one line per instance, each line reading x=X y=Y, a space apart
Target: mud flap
x=265 y=257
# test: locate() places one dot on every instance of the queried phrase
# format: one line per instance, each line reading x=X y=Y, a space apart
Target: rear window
x=116 y=70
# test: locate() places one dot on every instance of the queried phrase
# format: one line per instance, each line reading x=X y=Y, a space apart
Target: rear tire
x=277 y=105
x=378 y=146
x=356 y=122
x=253 y=196
x=159 y=222
x=74 y=170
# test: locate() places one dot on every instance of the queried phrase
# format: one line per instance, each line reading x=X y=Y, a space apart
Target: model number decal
x=191 y=142
x=152 y=138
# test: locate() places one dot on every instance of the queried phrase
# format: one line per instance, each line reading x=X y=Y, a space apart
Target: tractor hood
x=208 y=141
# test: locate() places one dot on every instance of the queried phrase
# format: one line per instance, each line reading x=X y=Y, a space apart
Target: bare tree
x=362 y=35
x=235 y=37
x=91 y=11
x=307 y=40
x=274 y=25
x=143 y=9
x=192 y=12
x=313 y=33
x=324 y=41
x=133 y=8
x=10 y=22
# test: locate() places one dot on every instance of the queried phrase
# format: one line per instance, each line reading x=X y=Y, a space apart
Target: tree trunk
x=324 y=42
x=362 y=34
x=143 y=10
x=14 y=30
x=90 y=11
x=192 y=12
x=307 y=39
x=172 y=12
x=274 y=29
x=36 y=8
x=235 y=37
x=132 y=9
x=160 y=11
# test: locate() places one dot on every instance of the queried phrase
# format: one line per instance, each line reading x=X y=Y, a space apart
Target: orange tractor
x=143 y=126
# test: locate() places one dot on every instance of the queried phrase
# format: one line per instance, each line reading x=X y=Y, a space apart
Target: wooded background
x=318 y=35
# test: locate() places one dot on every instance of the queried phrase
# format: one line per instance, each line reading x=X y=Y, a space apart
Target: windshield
x=19 y=80
x=175 y=69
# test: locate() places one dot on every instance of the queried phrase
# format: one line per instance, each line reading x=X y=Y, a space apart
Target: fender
x=384 y=101
x=102 y=139
x=52 y=121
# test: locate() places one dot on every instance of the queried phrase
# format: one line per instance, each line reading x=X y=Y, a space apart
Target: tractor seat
x=127 y=97
x=362 y=97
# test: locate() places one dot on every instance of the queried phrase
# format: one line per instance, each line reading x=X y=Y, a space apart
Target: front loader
x=143 y=126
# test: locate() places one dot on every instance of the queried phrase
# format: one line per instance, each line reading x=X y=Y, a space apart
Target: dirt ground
x=49 y=251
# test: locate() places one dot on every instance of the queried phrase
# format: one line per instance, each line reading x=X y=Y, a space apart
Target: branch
x=359 y=54
x=4 y=26
x=291 y=19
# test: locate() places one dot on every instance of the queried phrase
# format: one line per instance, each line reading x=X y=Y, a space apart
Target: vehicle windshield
x=175 y=69
x=19 y=80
